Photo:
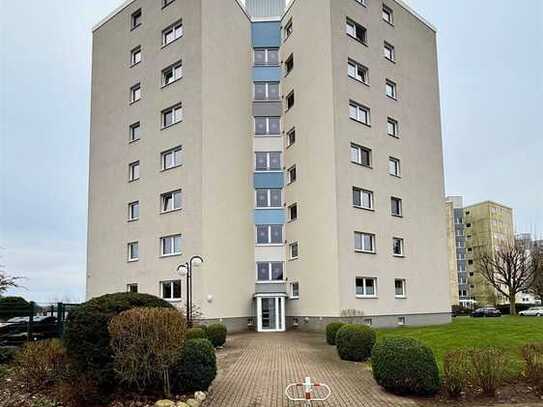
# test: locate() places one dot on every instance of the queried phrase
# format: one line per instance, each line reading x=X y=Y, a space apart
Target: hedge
x=331 y=331
x=355 y=342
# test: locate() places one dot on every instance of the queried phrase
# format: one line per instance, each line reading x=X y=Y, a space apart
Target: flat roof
x=127 y=3
x=488 y=202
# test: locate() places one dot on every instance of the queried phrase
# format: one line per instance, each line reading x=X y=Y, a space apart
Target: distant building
x=458 y=280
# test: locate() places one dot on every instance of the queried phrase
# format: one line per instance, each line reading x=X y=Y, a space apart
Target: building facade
x=458 y=276
x=296 y=149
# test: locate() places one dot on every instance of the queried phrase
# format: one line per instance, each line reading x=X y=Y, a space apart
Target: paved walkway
x=254 y=370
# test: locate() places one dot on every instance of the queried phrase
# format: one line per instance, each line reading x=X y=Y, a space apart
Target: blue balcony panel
x=266 y=34
x=269 y=216
x=266 y=74
x=269 y=180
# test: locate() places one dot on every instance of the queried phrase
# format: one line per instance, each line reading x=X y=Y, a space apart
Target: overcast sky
x=490 y=55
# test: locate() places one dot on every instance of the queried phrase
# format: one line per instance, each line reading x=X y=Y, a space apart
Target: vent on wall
x=265 y=8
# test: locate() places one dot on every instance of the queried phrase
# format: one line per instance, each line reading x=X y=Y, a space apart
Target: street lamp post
x=188 y=269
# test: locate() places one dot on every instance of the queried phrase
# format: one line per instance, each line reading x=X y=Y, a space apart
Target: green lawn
x=506 y=333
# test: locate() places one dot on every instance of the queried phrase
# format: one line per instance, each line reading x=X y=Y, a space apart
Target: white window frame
x=289 y=62
x=269 y=200
x=353 y=71
x=404 y=288
x=287 y=100
x=397 y=167
x=361 y=235
x=291 y=137
x=133 y=56
x=172 y=151
x=364 y=287
x=131 y=132
x=266 y=56
x=166 y=3
x=172 y=297
x=268 y=127
x=359 y=150
x=401 y=321
x=362 y=2
x=134 y=171
x=402 y=246
x=393 y=87
x=269 y=240
x=173 y=239
x=132 y=207
x=291 y=247
x=392 y=50
x=393 y=124
x=352 y=28
x=292 y=179
x=362 y=191
x=176 y=29
x=289 y=28
x=400 y=206
x=177 y=115
x=267 y=85
x=138 y=14
x=268 y=161
x=362 y=113
x=290 y=218
x=136 y=93
x=176 y=70
x=130 y=254
x=171 y=196
x=270 y=272
x=388 y=14
x=294 y=296
x=129 y=287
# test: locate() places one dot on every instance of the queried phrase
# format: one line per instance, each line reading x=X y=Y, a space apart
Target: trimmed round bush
x=355 y=342
x=331 y=331
x=196 y=333
x=196 y=368
x=86 y=334
x=216 y=333
x=405 y=366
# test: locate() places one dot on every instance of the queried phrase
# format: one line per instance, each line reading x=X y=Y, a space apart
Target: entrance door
x=271 y=314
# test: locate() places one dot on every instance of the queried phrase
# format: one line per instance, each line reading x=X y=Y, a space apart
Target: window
x=397 y=247
x=172 y=73
x=170 y=201
x=134 y=171
x=293 y=212
x=133 y=211
x=388 y=14
x=268 y=198
x=364 y=242
x=401 y=321
x=394 y=166
x=269 y=234
x=390 y=52
x=133 y=251
x=170 y=245
x=171 y=158
x=396 y=206
x=170 y=290
x=399 y=288
x=293 y=250
x=357 y=71
x=362 y=198
x=291 y=174
x=391 y=89
x=289 y=64
x=136 y=19
x=290 y=100
x=291 y=137
x=166 y=3
x=288 y=29
x=359 y=113
x=294 y=290
x=172 y=33
x=392 y=127
x=366 y=287
x=362 y=2
x=134 y=132
x=268 y=161
x=269 y=271
x=135 y=56
x=172 y=115
x=356 y=31
x=266 y=91
x=267 y=126
x=360 y=155
x=132 y=288
x=266 y=56
x=135 y=93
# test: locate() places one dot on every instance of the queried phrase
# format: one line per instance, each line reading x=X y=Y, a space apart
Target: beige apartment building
x=296 y=148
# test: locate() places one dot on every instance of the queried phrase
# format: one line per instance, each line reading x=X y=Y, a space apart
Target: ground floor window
x=170 y=290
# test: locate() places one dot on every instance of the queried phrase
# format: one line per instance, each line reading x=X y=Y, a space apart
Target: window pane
x=263 y=271
x=178 y=114
x=275 y=195
x=356 y=197
x=260 y=56
x=275 y=124
x=177 y=244
x=353 y=112
x=273 y=57
x=367 y=199
x=365 y=157
x=355 y=154
x=166 y=203
x=169 y=36
x=351 y=70
x=358 y=241
x=177 y=157
x=359 y=286
x=277 y=271
x=177 y=200
x=261 y=198
x=177 y=289
x=367 y=242
x=169 y=160
x=178 y=31
x=262 y=234
x=275 y=161
x=260 y=125
x=260 y=91
x=168 y=118
x=166 y=290
x=370 y=286
x=276 y=234
x=261 y=161
x=273 y=91
x=167 y=245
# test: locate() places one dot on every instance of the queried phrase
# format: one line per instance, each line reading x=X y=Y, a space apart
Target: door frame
x=280 y=319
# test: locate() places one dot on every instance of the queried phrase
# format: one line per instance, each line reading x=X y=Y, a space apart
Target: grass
x=506 y=333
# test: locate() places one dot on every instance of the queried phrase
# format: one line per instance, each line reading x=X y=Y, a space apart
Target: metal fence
x=20 y=322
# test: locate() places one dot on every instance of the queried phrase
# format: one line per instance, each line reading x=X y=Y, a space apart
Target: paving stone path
x=254 y=370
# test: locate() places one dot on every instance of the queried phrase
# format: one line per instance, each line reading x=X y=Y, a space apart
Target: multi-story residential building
x=296 y=149
x=458 y=276
x=488 y=225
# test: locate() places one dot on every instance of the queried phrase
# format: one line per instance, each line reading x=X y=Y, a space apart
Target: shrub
x=217 y=334
x=456 y=372
x=41 y=363
x=405 y=366
x=196 y=368
x=11 y=307
x=533 y=356
x=87 y=338
x=331 y=331
x=489 y=368
x=355 y=342
x=79 y=390
x=196 y=333
x=7 y=355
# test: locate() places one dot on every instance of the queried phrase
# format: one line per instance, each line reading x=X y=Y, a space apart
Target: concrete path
x=254 y=370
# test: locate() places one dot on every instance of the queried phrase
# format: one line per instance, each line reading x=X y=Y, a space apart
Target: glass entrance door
x=271 y=314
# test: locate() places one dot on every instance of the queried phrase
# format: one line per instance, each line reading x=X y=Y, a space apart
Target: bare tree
x=7 y=282
x=536 y=285
x=510 y=270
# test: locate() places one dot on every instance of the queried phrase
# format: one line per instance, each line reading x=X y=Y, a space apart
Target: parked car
x=532 y=312
x=486 y=312
x=15 y=330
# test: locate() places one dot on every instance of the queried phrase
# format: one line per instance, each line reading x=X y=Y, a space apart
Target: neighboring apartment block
x=458 y=275
x=296 y=149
